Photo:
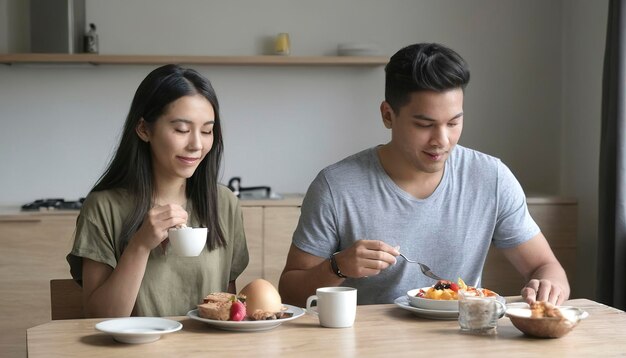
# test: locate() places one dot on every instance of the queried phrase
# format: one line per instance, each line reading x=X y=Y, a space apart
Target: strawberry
x=237 y=311
x=454 y=287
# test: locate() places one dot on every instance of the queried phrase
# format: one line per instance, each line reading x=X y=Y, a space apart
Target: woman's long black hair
x=131 y=167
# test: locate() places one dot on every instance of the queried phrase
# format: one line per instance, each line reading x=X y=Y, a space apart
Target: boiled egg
x=261 y=295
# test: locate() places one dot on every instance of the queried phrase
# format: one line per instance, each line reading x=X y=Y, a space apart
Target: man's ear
x=142 y=131
x=387 y=114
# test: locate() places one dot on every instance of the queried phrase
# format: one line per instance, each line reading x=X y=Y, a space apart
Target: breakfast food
x=543 y=319
x=448 y=290
x=262 y=300
x=258 y=300
x=237 y=311
x=541 y=309
x=223 y=306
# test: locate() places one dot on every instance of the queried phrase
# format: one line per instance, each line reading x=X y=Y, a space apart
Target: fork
x=425 y=269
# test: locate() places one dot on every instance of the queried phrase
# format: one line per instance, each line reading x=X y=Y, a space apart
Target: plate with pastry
x=257 y=307
x=248 y=324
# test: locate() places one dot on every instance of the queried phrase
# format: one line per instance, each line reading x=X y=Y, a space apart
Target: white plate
x=403 y=302
x=138 y=329
x=248 y=326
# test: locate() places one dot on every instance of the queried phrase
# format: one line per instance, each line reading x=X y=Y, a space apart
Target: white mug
x=336 y=306
x=188 y=241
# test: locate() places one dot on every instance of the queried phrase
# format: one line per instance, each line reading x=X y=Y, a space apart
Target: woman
x=163 y=175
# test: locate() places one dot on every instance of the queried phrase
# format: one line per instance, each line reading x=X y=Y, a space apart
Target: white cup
x=188 y=241
x=336 y=306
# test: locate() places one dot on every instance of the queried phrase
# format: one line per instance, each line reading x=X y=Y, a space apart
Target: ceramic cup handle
x=309 y=309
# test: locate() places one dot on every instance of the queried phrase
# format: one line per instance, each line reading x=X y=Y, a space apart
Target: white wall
x=60 y=122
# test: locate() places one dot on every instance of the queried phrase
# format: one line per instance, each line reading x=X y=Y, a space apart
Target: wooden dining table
x=379 y=330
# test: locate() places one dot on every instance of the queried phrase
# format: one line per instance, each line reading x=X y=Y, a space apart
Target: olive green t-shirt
x=171 y=285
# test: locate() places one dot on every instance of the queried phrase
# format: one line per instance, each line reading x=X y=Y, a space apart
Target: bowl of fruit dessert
x=444 y=295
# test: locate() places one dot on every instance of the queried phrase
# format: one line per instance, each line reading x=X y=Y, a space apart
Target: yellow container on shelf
x=282 y=44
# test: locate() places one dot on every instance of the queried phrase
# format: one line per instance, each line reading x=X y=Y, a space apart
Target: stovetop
x=53 y=204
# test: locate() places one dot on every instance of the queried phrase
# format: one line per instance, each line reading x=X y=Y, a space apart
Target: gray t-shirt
x=477 y=202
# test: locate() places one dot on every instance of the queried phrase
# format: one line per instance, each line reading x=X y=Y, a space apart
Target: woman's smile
x=188 y=160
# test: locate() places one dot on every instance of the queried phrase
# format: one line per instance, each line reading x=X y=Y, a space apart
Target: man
x=420 y=194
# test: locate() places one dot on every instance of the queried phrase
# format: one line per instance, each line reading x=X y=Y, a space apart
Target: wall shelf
x=194 y=60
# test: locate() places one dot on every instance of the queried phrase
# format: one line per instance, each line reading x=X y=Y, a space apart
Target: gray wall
x=284 y=124
x=534 y=98
x=584 y=32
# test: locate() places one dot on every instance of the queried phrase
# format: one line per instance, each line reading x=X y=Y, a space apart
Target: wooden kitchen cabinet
x=253 y=226
x=33 y=249
x=557 y=219
x=269 y=226
x=280 y=223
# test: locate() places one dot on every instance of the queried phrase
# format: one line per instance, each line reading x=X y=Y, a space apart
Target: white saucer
x=248 y=326
x=403 y=302
x=138 y=329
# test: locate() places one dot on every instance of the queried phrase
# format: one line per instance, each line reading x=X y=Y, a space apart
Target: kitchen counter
x=13 y=212
x=286 y=200
x=9 y=213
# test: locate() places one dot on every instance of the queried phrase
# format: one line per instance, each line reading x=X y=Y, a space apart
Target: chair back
x=66 y=299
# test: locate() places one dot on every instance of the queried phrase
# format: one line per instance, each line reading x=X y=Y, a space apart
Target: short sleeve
x=91 y=240
x=514 y=224
x=317 y=232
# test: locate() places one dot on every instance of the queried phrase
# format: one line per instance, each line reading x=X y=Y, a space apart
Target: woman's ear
x=142 y=131
x=387 y=114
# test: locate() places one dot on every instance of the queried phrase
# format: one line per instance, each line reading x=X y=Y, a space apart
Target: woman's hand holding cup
x=158 y=220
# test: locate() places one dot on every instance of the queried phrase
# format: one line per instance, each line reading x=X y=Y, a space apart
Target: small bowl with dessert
x=544 y=320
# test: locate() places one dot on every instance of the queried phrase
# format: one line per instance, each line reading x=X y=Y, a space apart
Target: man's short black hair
x=423 y=67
